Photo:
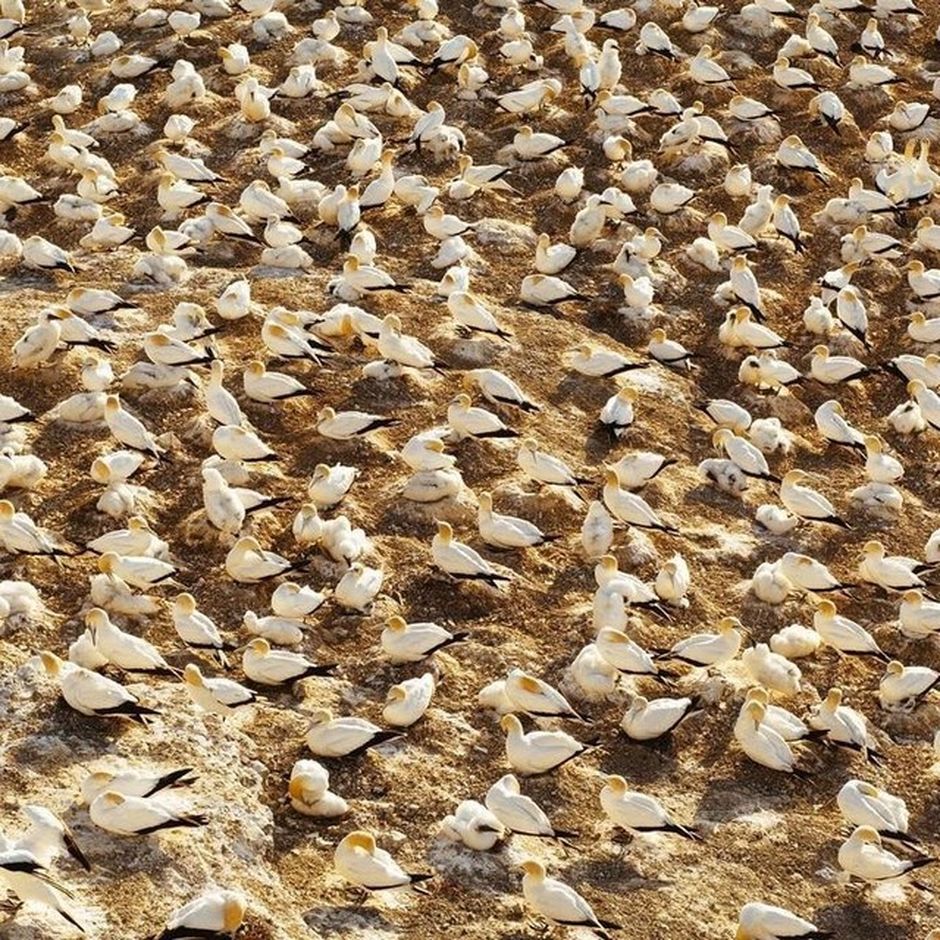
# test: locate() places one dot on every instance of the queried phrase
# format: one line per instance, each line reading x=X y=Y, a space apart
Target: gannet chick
x=94 y=695
x=775 y=519
x=460 y=561
x=844 y=726
x=559 y=904
x=648 y=720
x=267 y=666
x=346 y=736
x=863 y=856
x=538 y=752
x=359 y=861
x=638 y=812
x=903 y=687
x=759 y=921
x=407 y=701
x=474 y=825
x=597 y=530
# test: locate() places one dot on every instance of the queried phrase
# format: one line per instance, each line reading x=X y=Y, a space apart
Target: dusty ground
x=767 y=837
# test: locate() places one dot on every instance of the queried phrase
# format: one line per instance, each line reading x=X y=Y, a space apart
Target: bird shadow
x=344 y=920
x=861 y=920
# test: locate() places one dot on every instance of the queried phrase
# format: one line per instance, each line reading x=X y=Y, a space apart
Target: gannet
x=863 y=804
x=134 y=783
x=904 y=686
x=759 y=921
x=219 y=695
x=22 y=874
x=842 y=634
x=267 y=666
x=845 y=727
x=557 y=902
x=762 y=744
x=408 y=700
x=215 y=913
x=638 y=812
x=647 y=720
x=538 y=752
x=863 y=856
x=94 y=695
x=126 y=815
x=359 y=861
x=459 y=560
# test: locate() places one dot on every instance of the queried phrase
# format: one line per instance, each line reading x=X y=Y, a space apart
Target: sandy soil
x=767 y=837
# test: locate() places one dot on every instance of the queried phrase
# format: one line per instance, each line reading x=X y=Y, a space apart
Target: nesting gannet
x=94 y=695
x=536 y=698
x=845 y=727
x=863 y=856
x=904 y=686
x=709 y=649
x=134 y=783
x=537 y=752
x=519 y=813
x=126 y=815
x=761 y=743
x=807 y=503
x=459 y=560
x=759 y=921
x=863 y=804
x=361 y=862
x=219 y=695
x=843 y=634
x=638 y=812
x=891 y=572
x=267 y=666
x=407 y=701
x=215 y=913
x=647 y=720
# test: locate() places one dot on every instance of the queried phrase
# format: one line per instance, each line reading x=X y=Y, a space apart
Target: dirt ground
x=767 y=837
